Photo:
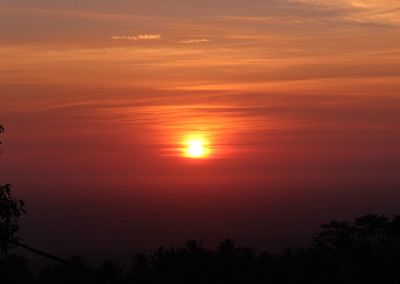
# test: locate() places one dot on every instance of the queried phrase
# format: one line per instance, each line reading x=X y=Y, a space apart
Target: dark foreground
x=364 y=251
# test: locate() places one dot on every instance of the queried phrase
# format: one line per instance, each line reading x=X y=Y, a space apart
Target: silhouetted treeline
x=366 y=250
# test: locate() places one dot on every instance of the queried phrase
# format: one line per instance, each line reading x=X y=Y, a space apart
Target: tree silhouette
x=10 y=211
x=365 y=250
x=13 y=269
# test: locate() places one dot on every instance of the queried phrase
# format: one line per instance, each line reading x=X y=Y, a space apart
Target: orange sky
x=299 y=100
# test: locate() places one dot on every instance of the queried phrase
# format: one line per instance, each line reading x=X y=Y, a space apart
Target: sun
x=196 y=148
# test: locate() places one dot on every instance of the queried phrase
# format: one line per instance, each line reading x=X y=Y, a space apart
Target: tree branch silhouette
x=11 y=210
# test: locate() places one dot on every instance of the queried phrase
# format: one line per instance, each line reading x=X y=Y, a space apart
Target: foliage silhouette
x=14 y=269
x=10 y=211
x=366 y=250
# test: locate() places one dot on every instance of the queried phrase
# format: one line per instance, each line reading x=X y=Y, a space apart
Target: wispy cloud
x=138 y=37
x=361 y=11
x=195 y=41
x=149 y=37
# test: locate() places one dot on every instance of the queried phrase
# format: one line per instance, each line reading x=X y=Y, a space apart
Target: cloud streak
x=142 y=37
x=195 y=41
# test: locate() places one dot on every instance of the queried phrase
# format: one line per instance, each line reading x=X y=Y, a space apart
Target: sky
x=297 y=102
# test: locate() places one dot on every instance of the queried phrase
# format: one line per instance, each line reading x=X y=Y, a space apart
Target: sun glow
x=196 y=147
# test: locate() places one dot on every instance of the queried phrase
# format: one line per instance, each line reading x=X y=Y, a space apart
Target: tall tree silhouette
x=367 y=249
x=10 y=211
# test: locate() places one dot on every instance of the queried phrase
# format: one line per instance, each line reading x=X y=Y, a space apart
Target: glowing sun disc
x=195 y=148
